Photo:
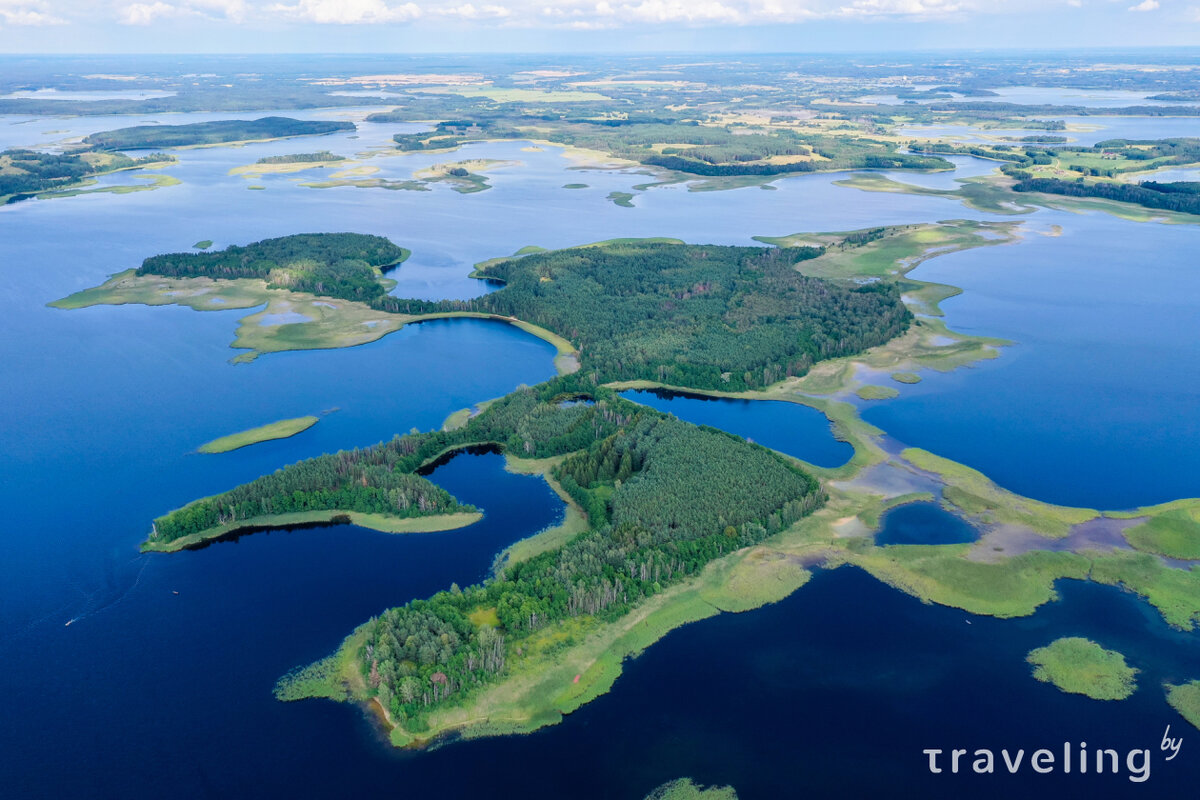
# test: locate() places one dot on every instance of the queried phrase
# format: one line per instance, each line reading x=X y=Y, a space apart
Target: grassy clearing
x=1185 y=699
x=873 y=392
x=282 y=429
x=898 y=248
x=1080 y=666
x=1175 y=534
x=376 y=522
x=457 y=420
x=971 y=492
x=1015 y=587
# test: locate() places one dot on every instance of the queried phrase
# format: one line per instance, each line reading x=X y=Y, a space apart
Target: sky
x=414 y=26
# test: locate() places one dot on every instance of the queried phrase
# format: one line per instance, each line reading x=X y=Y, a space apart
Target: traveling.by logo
x=1078 y=758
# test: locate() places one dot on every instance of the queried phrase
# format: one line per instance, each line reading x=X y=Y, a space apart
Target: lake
x=104 y=408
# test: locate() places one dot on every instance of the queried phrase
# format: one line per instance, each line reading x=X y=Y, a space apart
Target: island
x=668 y=522
x=323 y=156
x=1185 y=699
x=345 y=265
x=199 y=134
x=1080 y=666
x=282 y=429
x=365 y=487
x=687 y=789
x=25 y=174
x=1100 y=177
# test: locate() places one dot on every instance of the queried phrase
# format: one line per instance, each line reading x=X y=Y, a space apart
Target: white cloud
x=1145 y=5
x=19 y=12
x=348 y=12
x=146 y=13
x=902 y=8
x=232 y=10
x=469 y=11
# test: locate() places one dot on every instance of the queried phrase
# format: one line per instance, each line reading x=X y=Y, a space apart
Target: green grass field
x=1175 y=534
x=1080 y=666
x=872 y=392
x=282 y=429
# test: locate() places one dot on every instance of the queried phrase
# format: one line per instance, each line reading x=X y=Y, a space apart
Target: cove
x=790 y=428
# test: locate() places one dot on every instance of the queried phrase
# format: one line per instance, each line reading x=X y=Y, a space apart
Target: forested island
x=361 y=482
x=141 y=137
x=668 y=522
x=301 y=158
x=664 y=498
x=27 y=173
x=345 y=265
x=708 y=317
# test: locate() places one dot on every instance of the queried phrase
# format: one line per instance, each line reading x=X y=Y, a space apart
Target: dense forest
x=664 y=499
x=345 y=265
x=141 y=137
x=1181 y=197
x=700 y=316
x=24 y=173
x=300 y=158
x=363 y=481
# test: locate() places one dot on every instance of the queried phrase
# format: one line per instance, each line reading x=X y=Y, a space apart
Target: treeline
x=705 y=317
x=301 y=158
x=216 y=132
x=1157 y=196
x=675 y=497
x=345 y=265
x=24 y=173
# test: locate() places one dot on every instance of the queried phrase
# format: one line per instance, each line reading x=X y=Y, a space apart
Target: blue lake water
x=1046 y=95
x=159 y=694
x=1095 y=403
x=923 y=523
x=1084 y=131
x=790 y=428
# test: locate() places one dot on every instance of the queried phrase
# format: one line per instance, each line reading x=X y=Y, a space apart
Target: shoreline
x=434 y=523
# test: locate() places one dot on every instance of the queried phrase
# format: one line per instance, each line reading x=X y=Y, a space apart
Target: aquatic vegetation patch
x=1080 y=666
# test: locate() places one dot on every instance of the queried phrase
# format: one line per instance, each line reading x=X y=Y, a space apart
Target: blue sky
x=409 y=26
